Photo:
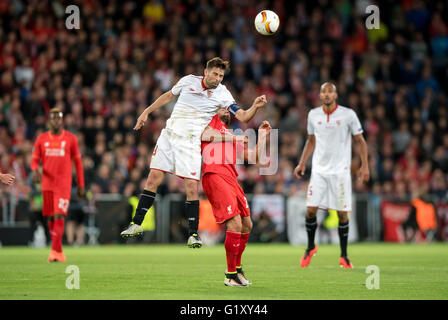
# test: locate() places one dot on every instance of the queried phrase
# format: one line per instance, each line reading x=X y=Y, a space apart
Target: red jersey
x=220 y=157
x=56 y=153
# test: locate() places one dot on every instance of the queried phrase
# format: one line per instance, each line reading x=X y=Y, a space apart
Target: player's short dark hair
x=56 y=110
x=218 y=63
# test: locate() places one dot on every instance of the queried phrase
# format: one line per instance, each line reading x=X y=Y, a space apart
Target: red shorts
x=55 y=203
x=226 y=197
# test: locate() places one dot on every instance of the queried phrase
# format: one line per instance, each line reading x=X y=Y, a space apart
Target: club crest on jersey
x=338 y=122
x=209 y=93
x=229 y=209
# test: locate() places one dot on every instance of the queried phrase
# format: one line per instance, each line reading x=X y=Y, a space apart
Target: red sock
x=52 y=233
x=231 y=244
x=59 y=232
x=243 y=241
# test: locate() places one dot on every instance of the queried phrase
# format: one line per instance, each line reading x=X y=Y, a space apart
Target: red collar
x=328 y=113
x=203 y=85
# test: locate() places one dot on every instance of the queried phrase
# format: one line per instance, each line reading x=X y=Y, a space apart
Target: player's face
x=224 y=115
x=55 y=121
x=213 y=77
x=328 y=94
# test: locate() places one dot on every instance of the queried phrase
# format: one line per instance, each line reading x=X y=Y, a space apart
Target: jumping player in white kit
x=330 y=130
x=178 y=149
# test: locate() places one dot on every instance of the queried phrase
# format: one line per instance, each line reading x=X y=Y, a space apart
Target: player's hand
x=7 y=179
x=141 y=121
x=264 y=128
x=299 y=171
x=260 y=101
x=364 y=174
x=81 y=192
x=36 y=176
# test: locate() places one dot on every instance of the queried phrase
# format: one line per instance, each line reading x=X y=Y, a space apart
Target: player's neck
x=55 y=132
x=329 y=108
x=204 y=84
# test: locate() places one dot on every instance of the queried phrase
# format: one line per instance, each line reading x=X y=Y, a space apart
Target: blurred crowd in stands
x=126 y=54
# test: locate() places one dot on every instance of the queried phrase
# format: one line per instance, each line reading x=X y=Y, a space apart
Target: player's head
x=224 y=115
x=328 y=93
x=214 y=72
x=55 y=121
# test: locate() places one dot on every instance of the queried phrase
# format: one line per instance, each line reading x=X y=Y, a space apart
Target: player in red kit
x=56 y=149
x=220 y=151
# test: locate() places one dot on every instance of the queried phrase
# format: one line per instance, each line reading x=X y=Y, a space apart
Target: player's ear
x=205 y=72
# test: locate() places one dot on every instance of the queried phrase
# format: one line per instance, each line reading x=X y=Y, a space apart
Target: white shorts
x=178 y=155
x=333 y=191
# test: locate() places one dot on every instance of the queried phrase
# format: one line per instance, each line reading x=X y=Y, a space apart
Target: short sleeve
x=177 y=88
x=227 y=99
x=355 y=124
x=309 y=126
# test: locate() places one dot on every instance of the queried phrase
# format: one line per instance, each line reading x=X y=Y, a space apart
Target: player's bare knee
x=311 y=212
x=343 y=216
x=154 y=180
x=234 y=224
x=191 y=189
x=246 y=225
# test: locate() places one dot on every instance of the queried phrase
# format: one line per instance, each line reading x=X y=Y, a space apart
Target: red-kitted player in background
x=56 y=149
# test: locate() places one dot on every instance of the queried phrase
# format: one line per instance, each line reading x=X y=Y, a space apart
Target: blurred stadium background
x=127 y=53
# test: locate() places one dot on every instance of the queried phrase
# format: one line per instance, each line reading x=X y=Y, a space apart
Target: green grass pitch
x=176 y=272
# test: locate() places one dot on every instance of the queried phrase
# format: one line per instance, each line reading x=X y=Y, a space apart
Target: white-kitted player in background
x=330 y=130
x=178 y=149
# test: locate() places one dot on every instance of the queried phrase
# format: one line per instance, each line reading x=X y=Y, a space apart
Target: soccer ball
x=267 y=22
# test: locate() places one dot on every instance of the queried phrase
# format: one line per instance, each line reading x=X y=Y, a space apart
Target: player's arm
x=35 y=160
x=263 y=132
x=247 y=115
x=307 y=152
x=165 y=98
x=7 y=179
x=363 y=172
x=211 y=135
x=76 y=156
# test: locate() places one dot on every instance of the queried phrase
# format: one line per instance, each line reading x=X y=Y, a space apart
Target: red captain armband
x=233 y=108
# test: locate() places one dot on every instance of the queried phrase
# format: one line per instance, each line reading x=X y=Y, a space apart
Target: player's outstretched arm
x=165 y=98
x=363 y=172
x=7 y=178
x=263 y=131
x=299 y=171
x=247 y=115
x=212 y=135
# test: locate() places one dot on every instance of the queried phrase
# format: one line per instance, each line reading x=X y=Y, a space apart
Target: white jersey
x=196 y=106
x=333 y=132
